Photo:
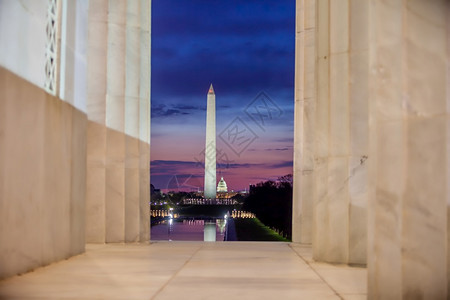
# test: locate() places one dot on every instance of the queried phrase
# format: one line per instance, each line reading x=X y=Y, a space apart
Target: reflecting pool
x=191 y=229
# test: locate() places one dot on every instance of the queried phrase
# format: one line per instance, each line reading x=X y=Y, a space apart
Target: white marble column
x=340 y=133
x=119 y=121
x=448 y=155
x=144 y=121
x=408 y=207
x=303 y=190
x=320 y=220
x=331 y=224
x=115 y=122
x=448 y=151
x=359 y=131
x=132 y=121
x=96 y=131
x=337 y=226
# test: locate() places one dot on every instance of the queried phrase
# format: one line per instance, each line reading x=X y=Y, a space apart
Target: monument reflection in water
x=186 y=230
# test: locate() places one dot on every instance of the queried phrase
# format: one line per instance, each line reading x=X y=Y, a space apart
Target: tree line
x=271 y=202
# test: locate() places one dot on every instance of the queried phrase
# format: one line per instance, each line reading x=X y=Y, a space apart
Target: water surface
x=185 y=230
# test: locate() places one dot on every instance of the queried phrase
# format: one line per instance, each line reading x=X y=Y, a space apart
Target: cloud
x=216 y=18
x=155 y=163
x=242 y=47
x=189 y=107
x=188 y=175
x=172 y=167
x=186 y=182
x=166 y=165
x=277 y=149
x=283 y=164
x=285 y=140
x=163 y=110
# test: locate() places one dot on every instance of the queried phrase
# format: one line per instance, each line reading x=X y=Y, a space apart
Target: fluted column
x=320 y=220
x=409 y=143
x=339 y=139
x=144 y=121
x=132 y=120
x=359 y=131
x=115 y=122
x=332 y=200
x=96 y=131
x=340 y=133
x=119 y=126
x=305 y=102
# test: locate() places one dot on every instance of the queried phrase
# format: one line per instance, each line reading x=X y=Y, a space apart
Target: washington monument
x=210 y=147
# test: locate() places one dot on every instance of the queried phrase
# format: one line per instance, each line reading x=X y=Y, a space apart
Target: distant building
x=222 y=186
x=244 y=192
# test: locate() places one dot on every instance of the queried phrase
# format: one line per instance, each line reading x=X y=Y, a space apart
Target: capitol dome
x=222 y=186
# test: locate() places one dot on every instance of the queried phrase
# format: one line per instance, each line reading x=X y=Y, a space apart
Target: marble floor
x=190 y=270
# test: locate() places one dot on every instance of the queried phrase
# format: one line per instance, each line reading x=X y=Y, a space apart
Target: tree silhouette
x=271 y=202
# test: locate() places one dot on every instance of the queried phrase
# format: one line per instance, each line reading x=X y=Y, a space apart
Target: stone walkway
x=190 y=270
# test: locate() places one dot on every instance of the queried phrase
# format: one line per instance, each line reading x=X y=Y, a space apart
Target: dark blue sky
x=243 y=48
